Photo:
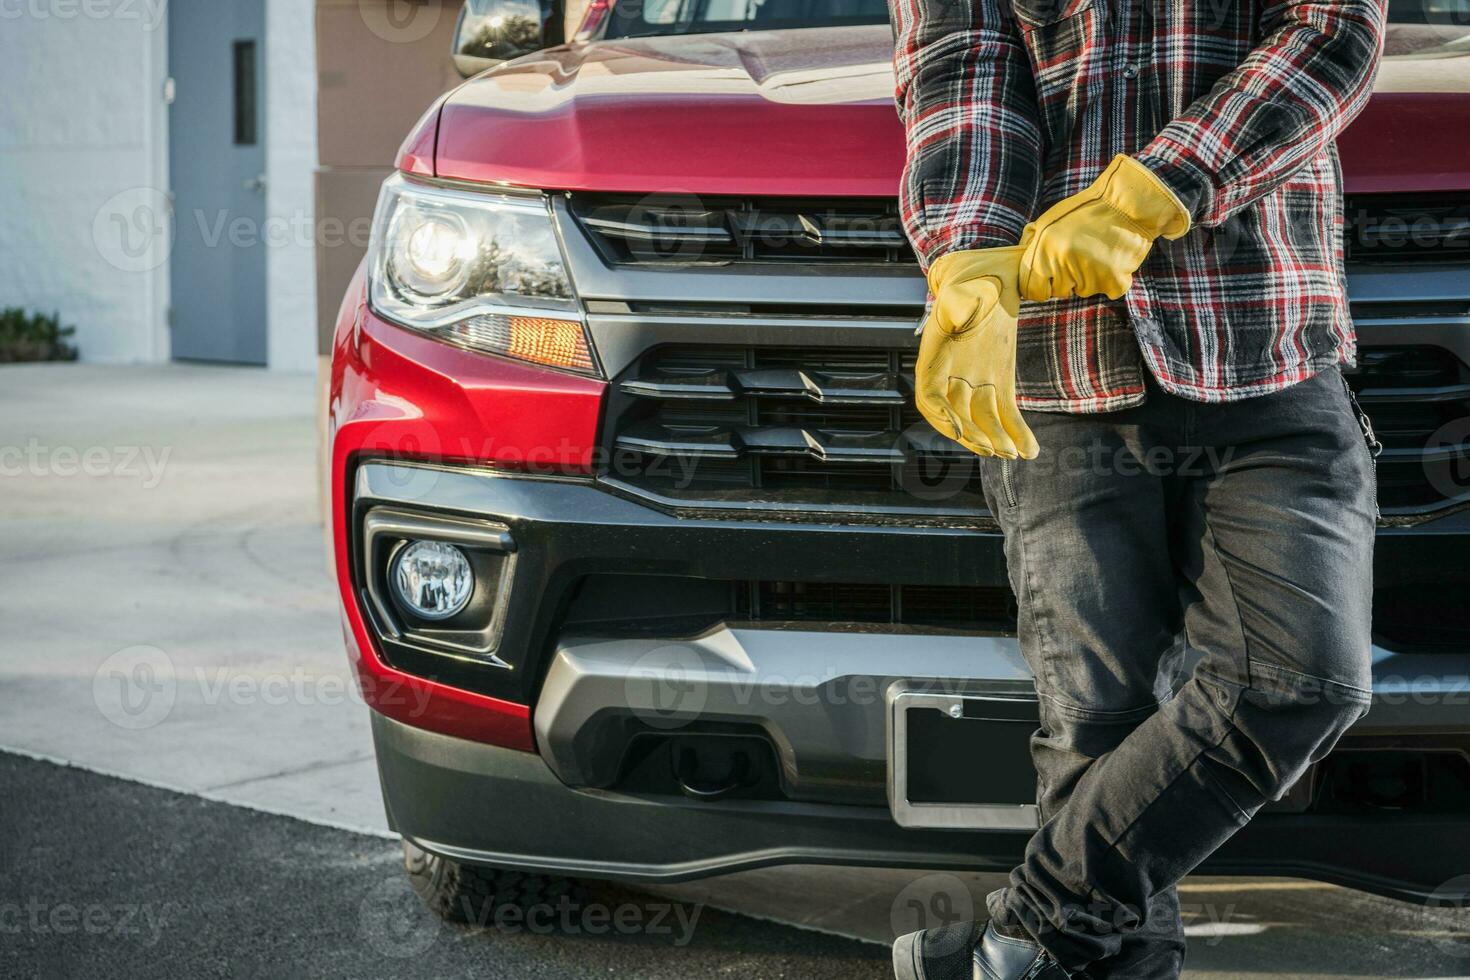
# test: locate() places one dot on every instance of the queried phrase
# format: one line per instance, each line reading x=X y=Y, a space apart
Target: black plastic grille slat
x=1425 y=616
x=674 y=229
x=968 y=607
x=1405 y=229
x=808 y=475
x=953 y=604
x=1419 y=401
x=823 y=601
x=828 y=386
x=809 y=425
x=853 y=418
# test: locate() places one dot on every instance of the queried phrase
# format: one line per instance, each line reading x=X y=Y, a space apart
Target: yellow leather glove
x=1093 y=242
x=965 y=380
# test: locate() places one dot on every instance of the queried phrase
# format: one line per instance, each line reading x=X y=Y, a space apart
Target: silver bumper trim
x=819 y=697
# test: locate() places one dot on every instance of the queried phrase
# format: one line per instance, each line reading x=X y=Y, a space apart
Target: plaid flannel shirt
x=1012 y=105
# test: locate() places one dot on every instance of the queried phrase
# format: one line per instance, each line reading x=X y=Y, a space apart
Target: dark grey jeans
x=1237 y=538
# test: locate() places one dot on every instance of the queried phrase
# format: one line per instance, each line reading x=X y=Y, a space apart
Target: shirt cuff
x=1189 y=184
x=964 y=239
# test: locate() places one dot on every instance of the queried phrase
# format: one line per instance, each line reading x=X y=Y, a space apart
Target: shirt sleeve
x=1283 y=106
x=967 y=100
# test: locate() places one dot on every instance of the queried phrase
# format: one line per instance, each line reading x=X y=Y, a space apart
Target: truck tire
x=475 y=895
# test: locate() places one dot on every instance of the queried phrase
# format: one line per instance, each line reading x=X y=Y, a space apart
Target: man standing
x=1199 y=475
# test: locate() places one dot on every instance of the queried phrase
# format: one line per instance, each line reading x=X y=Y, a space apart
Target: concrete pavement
x=163 y=520
x=159 y=533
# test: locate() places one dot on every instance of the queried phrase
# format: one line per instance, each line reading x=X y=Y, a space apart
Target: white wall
x=291 y=157
x=84 y=160
x=81 y=122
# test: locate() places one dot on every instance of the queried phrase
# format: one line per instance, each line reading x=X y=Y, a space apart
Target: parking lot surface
x=122 y=880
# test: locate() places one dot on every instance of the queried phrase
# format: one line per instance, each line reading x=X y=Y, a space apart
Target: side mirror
x=492 y=31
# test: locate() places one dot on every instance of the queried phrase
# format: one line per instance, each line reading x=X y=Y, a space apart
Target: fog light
x=433 y=580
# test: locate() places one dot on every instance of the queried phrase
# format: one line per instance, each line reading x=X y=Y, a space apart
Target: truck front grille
x=835 y=427
x=1379 y=229
x=1407 y=229
x=1419 y=400
x=629 y=229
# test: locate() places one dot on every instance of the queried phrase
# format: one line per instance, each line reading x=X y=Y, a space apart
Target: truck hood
x=810 y=112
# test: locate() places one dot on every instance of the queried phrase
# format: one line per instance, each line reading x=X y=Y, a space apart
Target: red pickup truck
x=649 y=568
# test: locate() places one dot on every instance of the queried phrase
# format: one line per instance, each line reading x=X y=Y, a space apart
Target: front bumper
x=567 y=530
x=483 y=804
x=814 y=692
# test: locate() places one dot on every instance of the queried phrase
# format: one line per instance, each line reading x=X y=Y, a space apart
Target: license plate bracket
x=961 y=760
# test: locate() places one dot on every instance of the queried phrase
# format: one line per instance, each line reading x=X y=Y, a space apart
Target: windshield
x=1428 y=28
x=642 y=18
x=1446 y=13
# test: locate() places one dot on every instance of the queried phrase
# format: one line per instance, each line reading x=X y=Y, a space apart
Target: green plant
x=34 y=337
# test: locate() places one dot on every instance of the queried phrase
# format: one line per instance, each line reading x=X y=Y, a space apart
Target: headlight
x=479 y=270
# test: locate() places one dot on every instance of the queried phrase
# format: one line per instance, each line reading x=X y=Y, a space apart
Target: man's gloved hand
x=965 y=381
x=1093 y=242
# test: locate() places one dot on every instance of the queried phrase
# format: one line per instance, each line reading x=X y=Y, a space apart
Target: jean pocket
x=1040 y=13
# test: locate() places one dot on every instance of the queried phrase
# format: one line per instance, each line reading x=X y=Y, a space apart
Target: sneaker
x=944 y=953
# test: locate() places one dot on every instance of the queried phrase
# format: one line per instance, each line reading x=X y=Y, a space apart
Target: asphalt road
x=100 y=877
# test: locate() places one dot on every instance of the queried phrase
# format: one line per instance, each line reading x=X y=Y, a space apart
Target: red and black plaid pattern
x=1013 y=105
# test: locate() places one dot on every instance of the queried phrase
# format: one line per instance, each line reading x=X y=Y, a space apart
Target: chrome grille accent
x=629 y=229
x=825 y=426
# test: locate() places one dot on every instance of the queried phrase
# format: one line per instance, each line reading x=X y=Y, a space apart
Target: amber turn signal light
x=540 y=340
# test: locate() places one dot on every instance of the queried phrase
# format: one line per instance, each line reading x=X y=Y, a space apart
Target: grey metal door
x=217 y=166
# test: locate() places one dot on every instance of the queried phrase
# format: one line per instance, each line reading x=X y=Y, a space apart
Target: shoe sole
x=907 y=963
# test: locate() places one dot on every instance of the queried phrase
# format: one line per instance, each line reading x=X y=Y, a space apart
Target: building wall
x=291 y=159
x=84 y=225
x=82 y=146
x=381 y=64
